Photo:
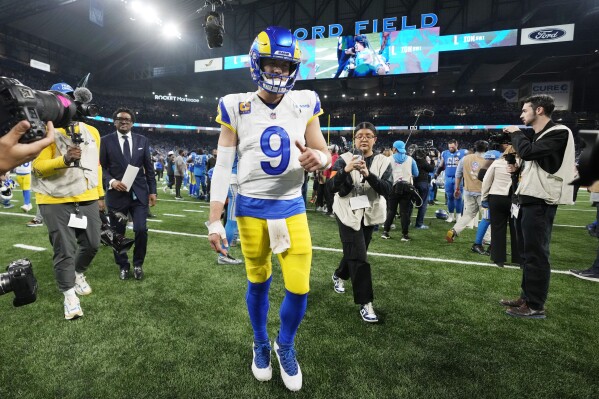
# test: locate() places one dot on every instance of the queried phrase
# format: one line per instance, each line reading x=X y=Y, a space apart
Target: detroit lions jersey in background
x=451 y=161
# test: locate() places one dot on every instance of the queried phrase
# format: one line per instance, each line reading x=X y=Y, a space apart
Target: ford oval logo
x=547 y=34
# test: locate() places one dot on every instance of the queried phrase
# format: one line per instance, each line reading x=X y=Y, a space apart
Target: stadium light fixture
x=471 y=90
x=453 y=91
x=434 y=92
x=365 y=94
x=343 y=95
x=150 y=15
x=170 y=30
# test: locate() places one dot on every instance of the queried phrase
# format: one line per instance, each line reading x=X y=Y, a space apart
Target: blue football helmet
x=441 y=214
x=277 y=43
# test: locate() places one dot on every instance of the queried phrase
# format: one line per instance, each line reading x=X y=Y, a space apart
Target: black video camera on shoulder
x=499 y=138
x=19 y=102
x=20 y=279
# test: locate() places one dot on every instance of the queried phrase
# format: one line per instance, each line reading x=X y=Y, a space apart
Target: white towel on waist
x=279 y=235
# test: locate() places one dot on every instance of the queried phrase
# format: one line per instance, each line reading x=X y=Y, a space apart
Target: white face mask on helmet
x=5 y=193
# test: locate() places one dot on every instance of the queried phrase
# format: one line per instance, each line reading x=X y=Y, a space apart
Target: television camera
x=19 y=102
x=428 y=149
x=214 y=24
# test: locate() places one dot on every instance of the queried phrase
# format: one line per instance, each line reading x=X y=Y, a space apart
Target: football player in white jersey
x=276 y=134
x=24 y=180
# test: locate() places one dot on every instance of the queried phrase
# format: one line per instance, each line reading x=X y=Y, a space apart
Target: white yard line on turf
x=176 y=233
x=173 y=215
x=199 y=202
x=31 y=247
x=17 y=214
x=191 y=210
x=438 y=260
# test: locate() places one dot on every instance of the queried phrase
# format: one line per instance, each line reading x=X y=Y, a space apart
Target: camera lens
x=56 y=107
x=5 y=287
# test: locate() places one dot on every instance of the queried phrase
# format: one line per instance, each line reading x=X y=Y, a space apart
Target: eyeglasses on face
x=364 y=137
x=123 y=120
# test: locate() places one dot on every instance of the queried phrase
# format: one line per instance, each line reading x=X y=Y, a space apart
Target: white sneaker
x=26 y=208
x=228 y=260
x=72 y=307
x=319 y=209
x=449 y=219
x=339 y=287
x=81 y=286
x=367 y=313
x=261 y=364
x=290 y=368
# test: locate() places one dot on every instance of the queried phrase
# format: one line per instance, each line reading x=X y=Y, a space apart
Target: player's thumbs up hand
x=309 y=159
x=300 y=146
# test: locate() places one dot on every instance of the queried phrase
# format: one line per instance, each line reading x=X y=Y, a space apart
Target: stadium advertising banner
x=162 y=97
x=560 y=91
x=547 y=34
x=510 y=95
x=210 y=64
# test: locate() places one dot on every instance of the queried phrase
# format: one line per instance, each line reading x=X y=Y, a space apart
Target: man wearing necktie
x=117 y=151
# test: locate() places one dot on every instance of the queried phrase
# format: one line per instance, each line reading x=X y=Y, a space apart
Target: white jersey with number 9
x=268 y=165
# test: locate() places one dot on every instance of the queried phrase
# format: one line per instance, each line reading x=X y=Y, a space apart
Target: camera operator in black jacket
x=422 y=182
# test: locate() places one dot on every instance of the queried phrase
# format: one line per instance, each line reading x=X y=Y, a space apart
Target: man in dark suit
x=117 y=151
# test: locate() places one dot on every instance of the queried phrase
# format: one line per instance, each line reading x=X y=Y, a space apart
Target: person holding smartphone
x=361 y=184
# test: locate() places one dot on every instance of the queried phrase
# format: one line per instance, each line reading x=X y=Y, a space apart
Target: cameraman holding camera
x=549 y=167
x=67 y=182
x=425 y=165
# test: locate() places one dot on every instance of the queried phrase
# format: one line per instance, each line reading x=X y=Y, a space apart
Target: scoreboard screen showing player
x=383 y=53
x=374 y=54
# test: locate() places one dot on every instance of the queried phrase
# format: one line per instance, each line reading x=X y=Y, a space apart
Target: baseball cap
x=400 y=146
x=170 y=153
x=62 y=87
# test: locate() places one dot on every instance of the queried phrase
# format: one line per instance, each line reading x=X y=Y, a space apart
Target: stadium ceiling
x=125 y=55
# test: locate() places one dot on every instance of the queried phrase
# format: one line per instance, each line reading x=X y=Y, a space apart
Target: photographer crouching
x=67 y=181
